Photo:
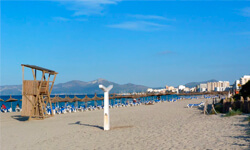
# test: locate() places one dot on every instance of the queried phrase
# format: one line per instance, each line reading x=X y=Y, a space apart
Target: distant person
x=17 y=108
x=127 y=101
x=3 y=106
x=134 y=100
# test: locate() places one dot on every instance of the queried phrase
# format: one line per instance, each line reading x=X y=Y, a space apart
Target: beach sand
x=160 y=126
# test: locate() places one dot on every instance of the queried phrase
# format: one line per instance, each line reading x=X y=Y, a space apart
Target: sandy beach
x=160 y=126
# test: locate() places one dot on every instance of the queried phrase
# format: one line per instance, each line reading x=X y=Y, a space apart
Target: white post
x=106 y=105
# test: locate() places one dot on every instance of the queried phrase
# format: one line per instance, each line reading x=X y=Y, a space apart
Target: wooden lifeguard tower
x=35 y=91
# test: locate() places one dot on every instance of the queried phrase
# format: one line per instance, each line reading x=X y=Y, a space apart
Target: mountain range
x=79 y=87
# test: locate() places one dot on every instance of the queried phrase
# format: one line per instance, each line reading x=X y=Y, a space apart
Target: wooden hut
x=35 y=91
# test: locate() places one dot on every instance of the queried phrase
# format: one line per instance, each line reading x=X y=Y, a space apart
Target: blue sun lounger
x=195 y=105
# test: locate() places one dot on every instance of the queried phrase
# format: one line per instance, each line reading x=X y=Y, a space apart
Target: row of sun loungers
x=73 y=109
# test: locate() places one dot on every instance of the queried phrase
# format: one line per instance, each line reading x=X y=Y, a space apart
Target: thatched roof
x=1 y=99
x=127 y=96
x=96 y=98
x=56 y=99
x=66 y=99
x=119 y=96
x=86 y=99
x=112 y=97
x=75 y=99
x=11 y=99
x=135 y=96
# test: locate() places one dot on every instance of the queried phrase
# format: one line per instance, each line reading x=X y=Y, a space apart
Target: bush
x=245 y=90
x=233 y=113
x=218 y=107
x=236 y=97
x=248 y=119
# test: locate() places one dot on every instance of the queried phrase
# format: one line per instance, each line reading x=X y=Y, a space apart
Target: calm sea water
x=91 y=103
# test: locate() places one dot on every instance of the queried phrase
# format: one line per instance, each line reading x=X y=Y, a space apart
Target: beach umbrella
x=96 y=98
x=112 y=96
x=127 y=96
x=75 y=99
x=56 y=99
x=86 y=99
x=11 y=100
x=67 y=99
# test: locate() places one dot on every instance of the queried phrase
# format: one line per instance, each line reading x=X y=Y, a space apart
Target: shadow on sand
x=20 y=118
x=246 y=136
x=99 y=127
x=88 y=125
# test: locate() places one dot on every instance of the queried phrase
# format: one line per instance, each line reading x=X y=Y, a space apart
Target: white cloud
x=139 y=26
x=87 y=7
x=148 y=17
x=63 y=19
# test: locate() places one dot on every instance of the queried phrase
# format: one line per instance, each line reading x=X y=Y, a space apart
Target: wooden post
x=34 y=74
x=205 y=108
x=242 y=103
x=38 y=98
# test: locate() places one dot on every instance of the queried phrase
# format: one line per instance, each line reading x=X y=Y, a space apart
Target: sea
x=90 y=103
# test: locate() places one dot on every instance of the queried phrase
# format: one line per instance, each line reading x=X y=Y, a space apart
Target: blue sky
x=152 y=43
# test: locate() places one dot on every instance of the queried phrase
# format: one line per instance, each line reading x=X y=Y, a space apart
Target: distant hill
x=79 y=87
x=194 y=84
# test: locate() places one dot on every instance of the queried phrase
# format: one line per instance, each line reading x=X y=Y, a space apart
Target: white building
x=181 y=87
x=217 y=86
x=150 y=90
x=244 y=79
x=193 y=89
x=186 y=89
x=202 y=87
x=236 y=85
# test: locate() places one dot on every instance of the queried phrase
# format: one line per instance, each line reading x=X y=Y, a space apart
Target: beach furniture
x=10 y=100
x=18 y=109
x=63 y=110
x=4 y=110
x=35 y=91
x=195 y=105
x=9 y=109
x=82 y=108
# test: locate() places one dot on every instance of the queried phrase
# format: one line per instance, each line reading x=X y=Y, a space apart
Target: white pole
x=106 y=106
